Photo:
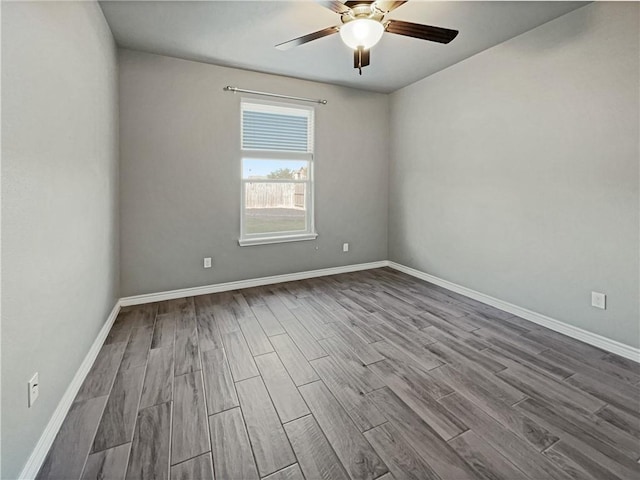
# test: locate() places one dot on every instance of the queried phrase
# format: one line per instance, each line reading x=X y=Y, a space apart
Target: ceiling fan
x=363 y=25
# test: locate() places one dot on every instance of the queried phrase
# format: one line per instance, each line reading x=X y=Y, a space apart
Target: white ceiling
x=242 y=34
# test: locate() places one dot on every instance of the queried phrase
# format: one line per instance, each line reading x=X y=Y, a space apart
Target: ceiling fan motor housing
x=368 y=11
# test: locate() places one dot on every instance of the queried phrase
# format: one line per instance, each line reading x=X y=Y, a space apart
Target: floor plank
x=359 y=407
x=507 y=443
x=355 y=453
x=239 y=356
x=186 y=358
x=573 y=469
x=149 y=457
x=538 y=362
x=119 y=417
x=411 y=389
x=69 y=451
x=312 y=322
x=198 y=468
x=286 y=398
x=490 y=334
x=268 y=440
x=622 y=363
x=135 y=353
x=140 y=315
x=218 y=382
x=208 y=332
x=484 y=459
x=491 y=403
x=100 y=378
x=120 y=330
x=536 y=385
x=350 y=367
x=182 y=308
x=456 y=353
x=358 y=323
x=316 y=457
x=189 y=437
x=240 y=306
x=296 y=364
x=623 y=398
x=308 y=345
x=225 y=318
x=397 y=454
x=292 y=472
x=277 y=306
x=418 y=380
x=615 y=444
x=471 y=377
x=625 y=421
x=267 y=320
x=255 y=296
x=364 y=351
x=585 y=458
x=158 y=381
x=107 y=464
x=404 y=341
x=440 y=327
x=610 y=375
x=254 y=335
x=425 y=362
x=232 y=456
x=427 y=443
x=164 y=331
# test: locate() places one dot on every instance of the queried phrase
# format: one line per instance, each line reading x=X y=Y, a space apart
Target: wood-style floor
x=365 y=375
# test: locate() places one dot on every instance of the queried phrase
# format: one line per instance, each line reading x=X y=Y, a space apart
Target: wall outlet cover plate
x=598 y=300
x=34 y=389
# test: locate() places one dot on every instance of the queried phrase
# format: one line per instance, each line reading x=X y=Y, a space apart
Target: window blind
x=276 y=128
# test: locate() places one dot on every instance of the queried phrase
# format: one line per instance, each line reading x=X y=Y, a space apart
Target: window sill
x=248 y=242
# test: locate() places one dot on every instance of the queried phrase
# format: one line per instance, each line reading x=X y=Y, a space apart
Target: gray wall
x=59 y=205
x=515 y=172
x=180 y=176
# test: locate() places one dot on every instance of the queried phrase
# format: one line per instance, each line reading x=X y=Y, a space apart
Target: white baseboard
x=585 y=336
x=39 y=453
x=254 y=282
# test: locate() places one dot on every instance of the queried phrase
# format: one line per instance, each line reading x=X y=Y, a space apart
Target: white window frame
x=248 y=239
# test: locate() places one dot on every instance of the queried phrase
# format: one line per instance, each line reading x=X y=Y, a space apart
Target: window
x=277 y=173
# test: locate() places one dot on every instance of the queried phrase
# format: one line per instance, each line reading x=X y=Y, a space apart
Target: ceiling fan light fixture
x=361 y=32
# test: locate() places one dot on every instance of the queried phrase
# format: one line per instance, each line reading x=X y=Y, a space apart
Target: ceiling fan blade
x=388 y=5
x=354 y=3
x=307 y=38
x=335 y=5
x=424 y=32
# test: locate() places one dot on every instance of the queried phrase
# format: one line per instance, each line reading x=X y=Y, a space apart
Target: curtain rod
x=229 y=88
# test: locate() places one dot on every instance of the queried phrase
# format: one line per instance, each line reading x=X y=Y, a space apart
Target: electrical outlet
x=598 y=300
x=345 y=247
x=207 y=262
x=34 y=389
